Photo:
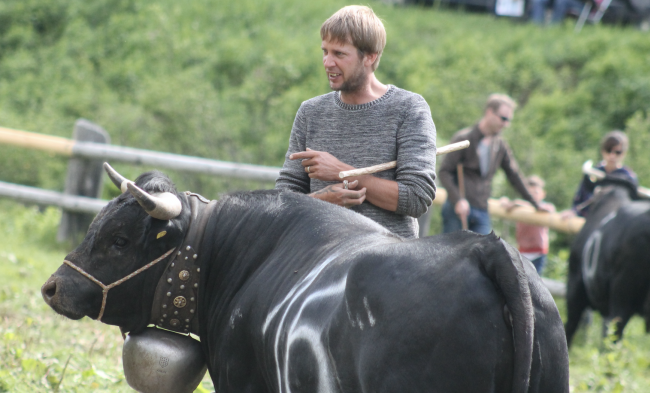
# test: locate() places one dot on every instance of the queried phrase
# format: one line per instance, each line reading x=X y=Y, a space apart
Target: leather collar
x=176 y=298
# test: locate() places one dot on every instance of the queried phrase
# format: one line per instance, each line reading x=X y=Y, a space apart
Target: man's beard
x=355 y=82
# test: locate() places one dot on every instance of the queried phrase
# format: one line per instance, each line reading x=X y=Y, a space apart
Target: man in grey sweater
x=363 y=123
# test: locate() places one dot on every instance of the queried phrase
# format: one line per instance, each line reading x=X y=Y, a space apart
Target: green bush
x=224 y=79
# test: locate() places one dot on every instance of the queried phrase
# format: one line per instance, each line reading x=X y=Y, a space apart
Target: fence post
x=84 y=178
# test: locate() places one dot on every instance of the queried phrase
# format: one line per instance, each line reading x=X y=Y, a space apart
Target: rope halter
x=105 y=288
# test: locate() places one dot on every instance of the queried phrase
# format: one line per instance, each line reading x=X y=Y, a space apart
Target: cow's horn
x=119 y=180
x=163 y=206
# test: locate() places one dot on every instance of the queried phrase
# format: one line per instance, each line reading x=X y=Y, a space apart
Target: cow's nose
x=48 y=290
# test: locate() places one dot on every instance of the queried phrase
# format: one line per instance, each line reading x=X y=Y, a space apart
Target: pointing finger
x=303 y=154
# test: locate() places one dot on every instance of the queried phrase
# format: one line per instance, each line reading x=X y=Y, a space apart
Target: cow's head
x=139 y=226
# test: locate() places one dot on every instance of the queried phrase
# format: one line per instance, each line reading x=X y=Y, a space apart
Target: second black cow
x=609 y=264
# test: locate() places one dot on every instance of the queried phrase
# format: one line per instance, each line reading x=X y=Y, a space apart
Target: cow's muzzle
x=51 y=292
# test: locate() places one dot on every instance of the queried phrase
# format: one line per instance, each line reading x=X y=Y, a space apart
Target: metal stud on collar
x=180 y=290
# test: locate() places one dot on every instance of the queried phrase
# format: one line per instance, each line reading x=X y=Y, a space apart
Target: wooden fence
x=89 y=148
x=106 y=152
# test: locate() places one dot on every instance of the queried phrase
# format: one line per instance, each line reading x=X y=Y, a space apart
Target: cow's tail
x=503 y=264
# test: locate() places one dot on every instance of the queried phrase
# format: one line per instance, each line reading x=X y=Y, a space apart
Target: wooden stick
x=393 y=164
x=461 y=191
x=526 y=214
x=32 y=140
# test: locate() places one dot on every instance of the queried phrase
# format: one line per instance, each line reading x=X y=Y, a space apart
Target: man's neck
x=483 y=127
x=369 y=91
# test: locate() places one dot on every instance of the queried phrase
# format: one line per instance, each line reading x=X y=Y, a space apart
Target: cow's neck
x=176 y=297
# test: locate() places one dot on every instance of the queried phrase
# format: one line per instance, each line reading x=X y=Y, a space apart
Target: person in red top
x=533 y=239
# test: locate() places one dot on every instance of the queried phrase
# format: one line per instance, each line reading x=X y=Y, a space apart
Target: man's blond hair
x=357 y=25
x=495 y=101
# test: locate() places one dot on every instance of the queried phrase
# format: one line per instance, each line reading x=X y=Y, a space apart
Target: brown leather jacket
x=477 y=187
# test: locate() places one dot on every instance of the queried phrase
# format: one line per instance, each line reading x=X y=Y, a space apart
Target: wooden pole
x=525 y=214
x=393 y=164
x=51 y=198
x=461 y=191
x=105 y=152
x=31 y=140
x=84 y=178
x=528 y=215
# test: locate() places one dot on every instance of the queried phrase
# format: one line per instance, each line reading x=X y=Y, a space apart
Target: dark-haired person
x=613 y=147
x=488 y=152
x=363 y=122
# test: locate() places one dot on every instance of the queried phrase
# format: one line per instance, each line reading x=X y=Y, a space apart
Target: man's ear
x=369 y=59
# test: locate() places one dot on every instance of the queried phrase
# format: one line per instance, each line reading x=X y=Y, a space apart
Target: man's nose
x=328 y=61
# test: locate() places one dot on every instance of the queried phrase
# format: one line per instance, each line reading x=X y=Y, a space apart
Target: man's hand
x=507 y=204
x=462 y=208
x=569 y=213
x=338 y=195
x=321 y=165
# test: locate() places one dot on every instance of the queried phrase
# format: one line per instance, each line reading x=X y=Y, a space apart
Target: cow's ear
x=169 y=229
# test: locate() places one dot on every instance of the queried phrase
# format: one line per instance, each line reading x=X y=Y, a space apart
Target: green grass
x=601 y=365
x=36 y=344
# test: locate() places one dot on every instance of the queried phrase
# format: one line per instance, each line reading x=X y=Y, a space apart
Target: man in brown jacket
x=487 y=152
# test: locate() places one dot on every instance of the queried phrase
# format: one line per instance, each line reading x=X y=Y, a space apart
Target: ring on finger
x=308 y=169
x=345 y=184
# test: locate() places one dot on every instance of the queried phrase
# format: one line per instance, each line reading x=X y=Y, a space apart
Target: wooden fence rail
x=74 y=204
x=111 y=153
x=39 y=196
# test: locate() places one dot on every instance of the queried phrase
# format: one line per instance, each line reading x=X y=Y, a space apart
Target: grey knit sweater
x=396 y=126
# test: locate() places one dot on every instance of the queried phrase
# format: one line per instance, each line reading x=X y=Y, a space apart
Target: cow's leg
x=615 y=325
x=577 y=302
x=618 y=323
x=646 y=312
x=621 y=309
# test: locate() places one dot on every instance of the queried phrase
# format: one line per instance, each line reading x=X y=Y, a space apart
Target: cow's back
x=425 y=316
x=616 y=268
x=421 y=322
x=328 y=301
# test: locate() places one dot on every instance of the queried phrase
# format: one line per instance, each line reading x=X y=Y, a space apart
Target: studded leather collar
x=176 y=298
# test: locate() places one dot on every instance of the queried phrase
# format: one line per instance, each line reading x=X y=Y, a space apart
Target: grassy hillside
x=224 y=80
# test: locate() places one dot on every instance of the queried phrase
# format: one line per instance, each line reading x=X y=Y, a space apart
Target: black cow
x=609 y=264
x=298 y=295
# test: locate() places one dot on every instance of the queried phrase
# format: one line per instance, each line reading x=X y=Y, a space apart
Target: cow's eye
x=120 y=242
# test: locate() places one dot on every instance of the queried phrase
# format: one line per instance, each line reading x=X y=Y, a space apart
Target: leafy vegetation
x=223 y=80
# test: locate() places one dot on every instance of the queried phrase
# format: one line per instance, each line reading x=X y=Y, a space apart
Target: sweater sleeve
x=292 y=175
x=416 y=160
